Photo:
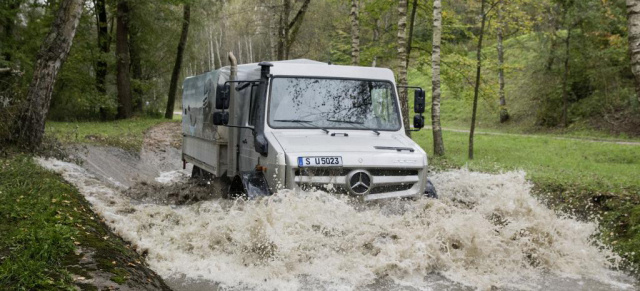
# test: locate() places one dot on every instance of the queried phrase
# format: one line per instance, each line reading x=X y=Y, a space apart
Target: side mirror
x=222 y=97
x=221 y=118
x=418 y=101
x=418 y=121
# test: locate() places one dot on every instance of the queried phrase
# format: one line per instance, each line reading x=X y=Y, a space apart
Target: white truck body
x=347 y=155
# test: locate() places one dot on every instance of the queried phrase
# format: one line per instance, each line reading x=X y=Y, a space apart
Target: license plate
x=319 y=162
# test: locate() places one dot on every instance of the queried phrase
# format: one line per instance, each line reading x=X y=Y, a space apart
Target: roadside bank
x=51 y=239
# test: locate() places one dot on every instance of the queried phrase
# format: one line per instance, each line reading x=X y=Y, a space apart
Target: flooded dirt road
x=486 y=231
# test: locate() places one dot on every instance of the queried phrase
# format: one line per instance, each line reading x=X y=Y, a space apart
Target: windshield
x=333 y=103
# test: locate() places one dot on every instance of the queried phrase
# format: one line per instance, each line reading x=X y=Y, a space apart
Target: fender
x=251 y=184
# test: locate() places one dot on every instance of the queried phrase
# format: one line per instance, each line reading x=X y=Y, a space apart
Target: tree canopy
x=561 y=58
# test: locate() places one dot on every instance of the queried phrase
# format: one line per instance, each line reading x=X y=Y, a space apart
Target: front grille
x=393 y=172
x=390 y=188
x=323 y=187
x=334 y=180
x=345 y=171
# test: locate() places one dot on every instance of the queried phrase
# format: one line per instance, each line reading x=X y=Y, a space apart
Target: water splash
x=485 y=230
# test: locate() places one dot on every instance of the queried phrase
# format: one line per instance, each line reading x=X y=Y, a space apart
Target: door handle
x=244 y=141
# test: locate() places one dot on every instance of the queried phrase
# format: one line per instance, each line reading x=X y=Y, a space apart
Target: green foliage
x=75 y=95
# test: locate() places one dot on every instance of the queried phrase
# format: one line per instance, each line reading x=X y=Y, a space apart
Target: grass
x=601 y=166
x=45 y=222
x=127 y=134
x=38 y=229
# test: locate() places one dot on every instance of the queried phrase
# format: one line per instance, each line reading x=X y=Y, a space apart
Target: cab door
x=248 y=156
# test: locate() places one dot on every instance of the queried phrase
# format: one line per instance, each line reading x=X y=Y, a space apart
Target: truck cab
x=303 y=125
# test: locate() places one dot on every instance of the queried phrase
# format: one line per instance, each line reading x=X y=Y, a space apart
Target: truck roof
x=310 y=68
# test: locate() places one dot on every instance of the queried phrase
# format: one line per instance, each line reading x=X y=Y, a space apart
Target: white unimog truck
x=302 y=124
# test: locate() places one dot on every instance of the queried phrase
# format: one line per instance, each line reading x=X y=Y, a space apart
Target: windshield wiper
x=307 y=122
x=355 y=122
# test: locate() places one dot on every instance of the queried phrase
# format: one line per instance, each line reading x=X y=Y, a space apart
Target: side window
x=220 y=90
x=252 y=104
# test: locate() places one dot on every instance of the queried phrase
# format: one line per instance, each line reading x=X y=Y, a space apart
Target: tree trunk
x=212 y=60
x=288 y=30
x=565 y=80
x=220 y=65
x=504 y=113
x=274 y=26
x=376 y=37
x=412 y=21
x=283 y=30
x=251 y=50
x=476 y=91
x=633 y=12
x=122 y=61
x=103 y=45
x=294 y=27
x=438 y=143
x=402 y=62
x=53 y=53
x=136 y=63
x=552 y=49
x=173 y=87
x=355 y=34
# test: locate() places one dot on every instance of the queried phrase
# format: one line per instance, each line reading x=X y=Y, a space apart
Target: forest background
x=555 y=52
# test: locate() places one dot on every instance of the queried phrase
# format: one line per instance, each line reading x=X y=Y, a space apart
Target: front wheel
x=430 y=191
x=236 y=189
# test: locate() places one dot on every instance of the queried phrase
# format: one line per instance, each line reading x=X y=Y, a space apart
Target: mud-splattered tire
x=196 y=172
x=430 y=191
x=236 y=189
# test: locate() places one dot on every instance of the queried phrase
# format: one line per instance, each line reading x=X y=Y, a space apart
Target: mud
x=486 y=231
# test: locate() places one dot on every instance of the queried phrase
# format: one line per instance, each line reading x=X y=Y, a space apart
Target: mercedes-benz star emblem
x=359 y=182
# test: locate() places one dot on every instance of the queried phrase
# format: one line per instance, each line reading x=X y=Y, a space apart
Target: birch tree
x=504 y=113
x=52 y=54
x=355 y=33
x=438 y=143
x=633 y=20
x=402 y=63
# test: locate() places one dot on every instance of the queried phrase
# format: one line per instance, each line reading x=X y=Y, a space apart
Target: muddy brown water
x=485 y=232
